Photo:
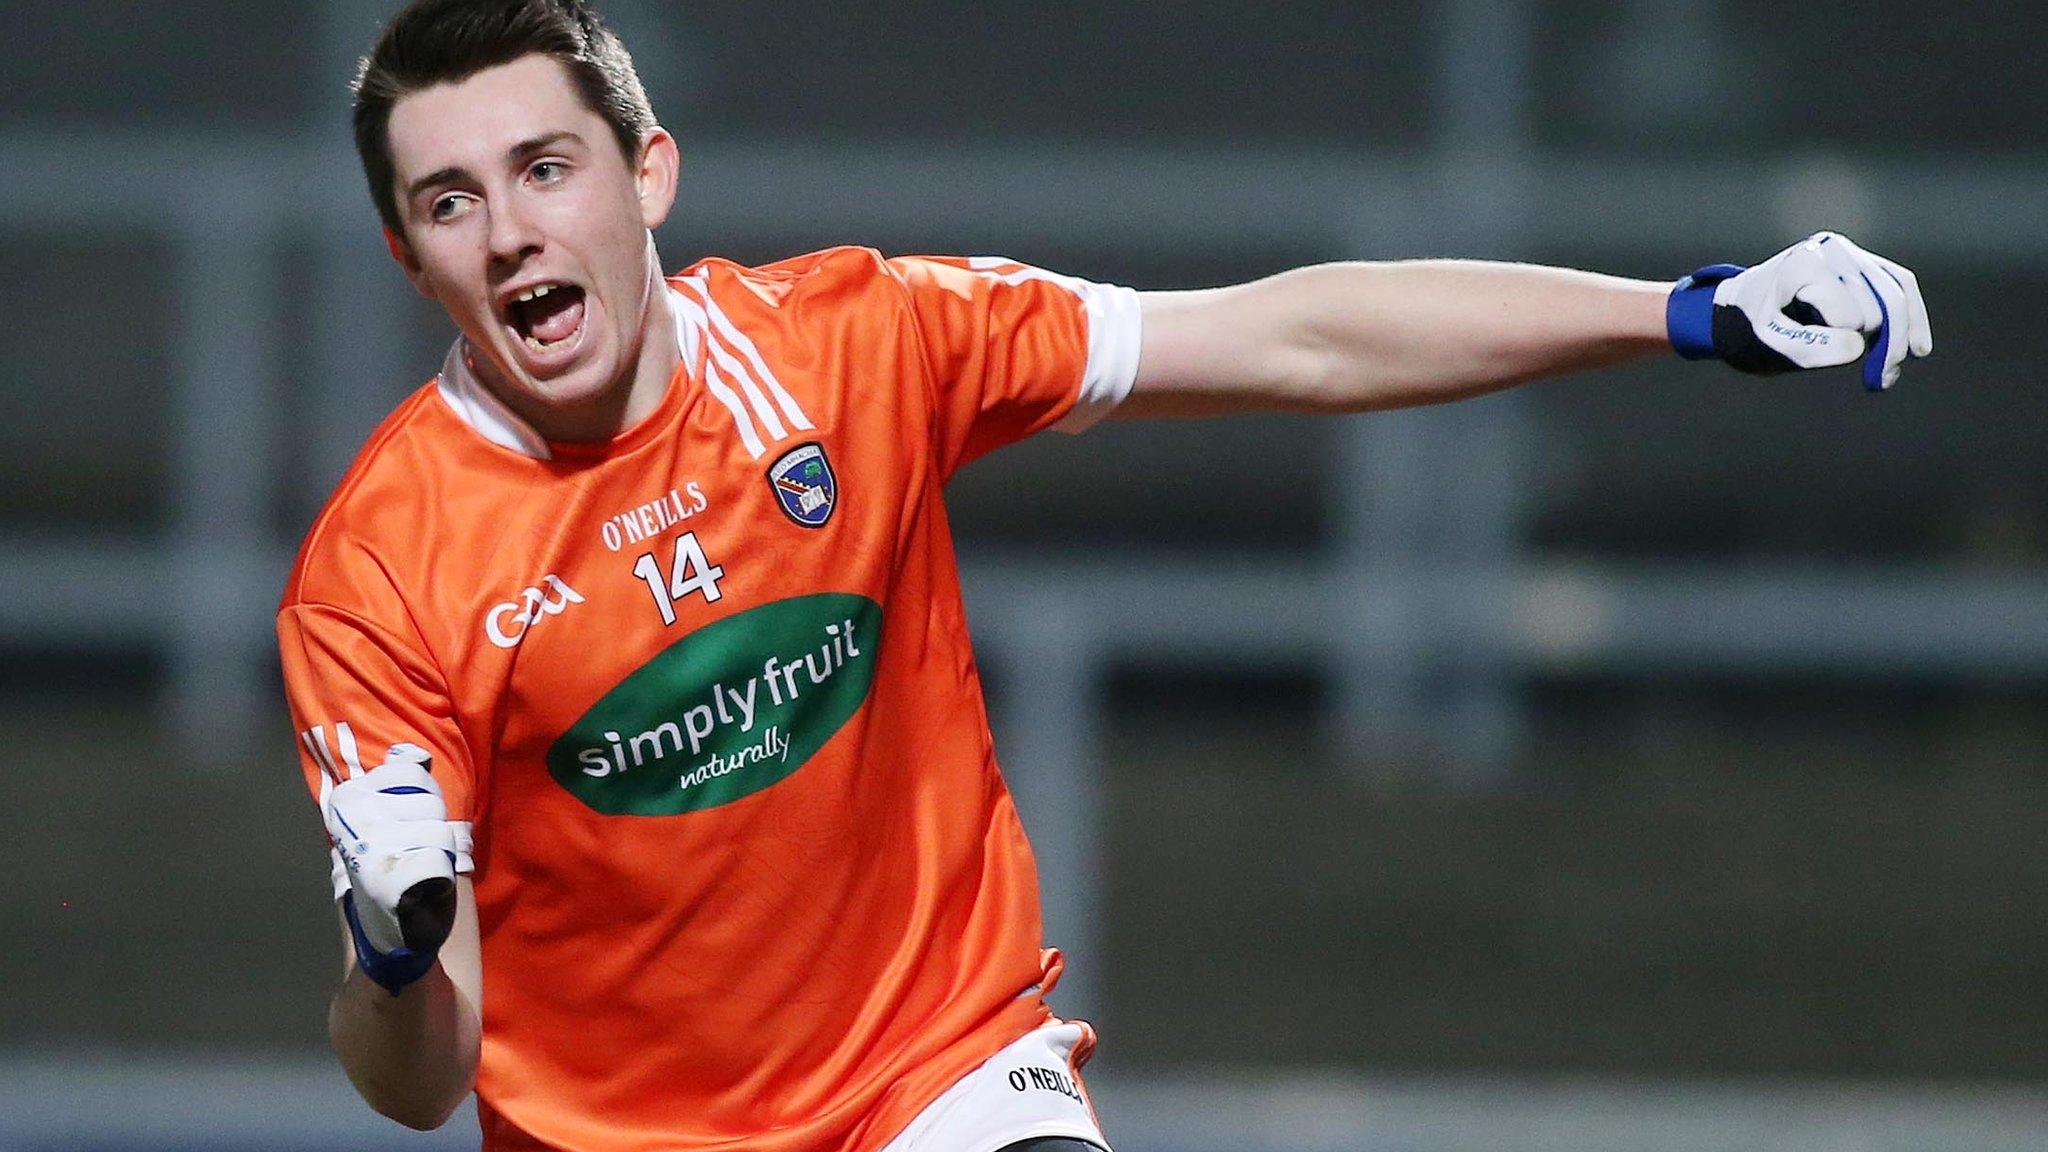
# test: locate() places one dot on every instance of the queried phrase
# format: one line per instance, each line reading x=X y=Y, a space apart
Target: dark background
x=1783 y=869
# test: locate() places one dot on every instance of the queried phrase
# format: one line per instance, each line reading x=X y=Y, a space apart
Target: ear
x=402 y=252
x=660 y=162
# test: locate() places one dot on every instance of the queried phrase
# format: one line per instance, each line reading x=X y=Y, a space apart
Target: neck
x=654 y=362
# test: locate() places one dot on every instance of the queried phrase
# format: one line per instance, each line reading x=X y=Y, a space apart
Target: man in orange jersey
x=629 y=660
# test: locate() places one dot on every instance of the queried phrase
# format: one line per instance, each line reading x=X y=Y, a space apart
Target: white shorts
x=1031 y=1088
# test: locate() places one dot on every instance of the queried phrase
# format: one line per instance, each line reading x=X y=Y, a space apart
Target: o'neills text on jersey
x=1047 y=1079
x=654 y=517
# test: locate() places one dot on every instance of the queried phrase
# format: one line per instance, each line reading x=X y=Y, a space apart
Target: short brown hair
x=447 y=41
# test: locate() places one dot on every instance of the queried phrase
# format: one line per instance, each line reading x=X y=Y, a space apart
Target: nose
x=513 y=235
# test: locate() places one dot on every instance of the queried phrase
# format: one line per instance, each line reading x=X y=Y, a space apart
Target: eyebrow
x=519 y=151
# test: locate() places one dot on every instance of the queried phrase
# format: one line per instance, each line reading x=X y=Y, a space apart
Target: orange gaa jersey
x=746 y=874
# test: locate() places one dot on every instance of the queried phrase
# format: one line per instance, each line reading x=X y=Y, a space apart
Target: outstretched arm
x=1358 y=337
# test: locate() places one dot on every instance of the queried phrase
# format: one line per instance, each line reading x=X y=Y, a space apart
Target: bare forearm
x=1399 y=334
x=412 y=1056
x=1352 y=337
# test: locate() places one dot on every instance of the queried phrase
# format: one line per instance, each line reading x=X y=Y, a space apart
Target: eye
x=548 y=172
x=447 y=207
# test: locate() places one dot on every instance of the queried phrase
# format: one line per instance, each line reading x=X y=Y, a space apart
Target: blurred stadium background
x=1647 y=761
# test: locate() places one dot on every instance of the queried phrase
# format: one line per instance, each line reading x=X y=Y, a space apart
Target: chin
x=581 y=387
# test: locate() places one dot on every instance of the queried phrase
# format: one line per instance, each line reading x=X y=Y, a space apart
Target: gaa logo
x=506 y=624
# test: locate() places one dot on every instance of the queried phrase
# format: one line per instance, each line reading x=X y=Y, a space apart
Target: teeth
x=535 y=293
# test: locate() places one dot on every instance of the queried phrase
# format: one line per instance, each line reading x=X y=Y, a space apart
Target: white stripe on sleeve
x=1113 y=333
x=737 y=407
x=321 y=755
x=1114 y=328
x=690 y=319
x=759 y=403
x=346 y=738
x=730 y=333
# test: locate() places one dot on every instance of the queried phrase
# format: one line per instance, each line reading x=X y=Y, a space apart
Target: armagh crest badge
x=803 y=484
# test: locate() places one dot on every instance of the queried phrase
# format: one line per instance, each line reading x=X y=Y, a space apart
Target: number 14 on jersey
x=690 y=571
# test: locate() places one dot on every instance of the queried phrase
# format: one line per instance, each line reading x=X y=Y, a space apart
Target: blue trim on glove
x=1873 y=360
x=1689 y=312
x=392 y=970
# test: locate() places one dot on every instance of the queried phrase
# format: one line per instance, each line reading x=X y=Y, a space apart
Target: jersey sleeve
x=355 y=689
x=1013 y=349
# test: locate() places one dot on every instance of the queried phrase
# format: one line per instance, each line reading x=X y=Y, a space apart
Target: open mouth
x=547 y=317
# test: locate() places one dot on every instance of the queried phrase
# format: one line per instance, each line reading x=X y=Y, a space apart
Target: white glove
x=1822 y=302
x=391 y=835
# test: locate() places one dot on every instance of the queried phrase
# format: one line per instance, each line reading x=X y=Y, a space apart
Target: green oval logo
x=725 y=711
